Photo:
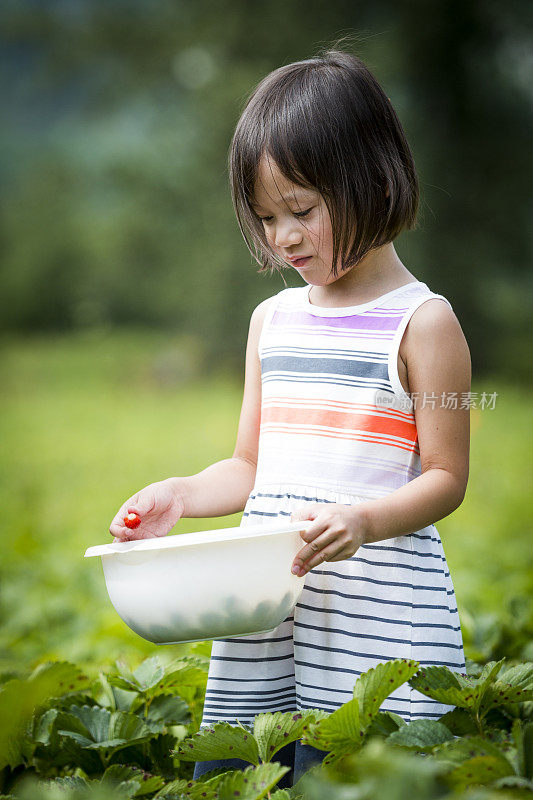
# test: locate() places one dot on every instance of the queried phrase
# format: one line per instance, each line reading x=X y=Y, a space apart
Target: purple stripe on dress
x=355 y=322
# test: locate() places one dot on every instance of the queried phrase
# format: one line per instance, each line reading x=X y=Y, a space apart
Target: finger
x=311 y=550
x=314 y=531
x=309 y=511
x=117 y=523
x=117 y=527
x=143 y=506
x=119 y=530
x=321 y=540
x=327 y=554
x=345 y=553
x=138 y=504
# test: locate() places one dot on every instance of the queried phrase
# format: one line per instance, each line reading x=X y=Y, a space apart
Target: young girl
x=352 y=414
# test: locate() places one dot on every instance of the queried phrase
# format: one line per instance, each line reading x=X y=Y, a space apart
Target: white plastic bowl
x=205 y=585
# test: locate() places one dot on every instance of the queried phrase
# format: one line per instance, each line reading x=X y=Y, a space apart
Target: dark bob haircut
x=328 y=125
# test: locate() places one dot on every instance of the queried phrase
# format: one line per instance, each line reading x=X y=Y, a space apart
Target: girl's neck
x=379 y=272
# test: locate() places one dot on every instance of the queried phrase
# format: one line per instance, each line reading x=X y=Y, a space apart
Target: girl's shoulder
x=284 y=298
x=418 y=305
x=265 y=308
x=428 y=307
x=434 y=335
x=263 y=314
x=436 y=319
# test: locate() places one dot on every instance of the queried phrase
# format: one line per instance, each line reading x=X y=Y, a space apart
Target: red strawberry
x=132 y=520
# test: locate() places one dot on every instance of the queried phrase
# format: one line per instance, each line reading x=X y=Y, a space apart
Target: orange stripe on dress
x=340 y=419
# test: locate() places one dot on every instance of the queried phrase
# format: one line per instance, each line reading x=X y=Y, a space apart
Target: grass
x=88 y=420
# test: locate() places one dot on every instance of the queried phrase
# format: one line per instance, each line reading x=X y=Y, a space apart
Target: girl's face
x=296 y=223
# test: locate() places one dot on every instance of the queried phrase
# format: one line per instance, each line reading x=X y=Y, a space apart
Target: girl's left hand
x=337 y=533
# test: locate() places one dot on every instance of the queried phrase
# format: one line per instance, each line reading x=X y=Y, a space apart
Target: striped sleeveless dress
x=337 y=427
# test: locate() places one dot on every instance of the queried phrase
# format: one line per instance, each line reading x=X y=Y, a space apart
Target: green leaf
x=275 y=730
x=344 y=730
x=113 y=697
x=489 y=672
x=445 y=686
x=384 y=723
x=421 y=734
x=377 y=772
x=220 y=741
x=458 y=751
x=485 y=682
x=280 y=794
x=99 y=729
x=77 y=788
x=375 y=685
x=160 y=753
x=44 y=725
x=204 y=788
x=72 y=782
x=175 y=788
x=478 y=695
x=147 y=675
x=340 y=731
x=151 y=679
x=120 y=773
x=19 y=699
x=69 y=752
x=214 y=776
x=520 y=676
x=459 y=722
x=186 y=676
x=523 y=742
x=252 y=783
x=515 y=685
x=58 y=678
x=166 y=710
x=480 y=770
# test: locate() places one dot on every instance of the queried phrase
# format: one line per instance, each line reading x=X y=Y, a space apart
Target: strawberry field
x=90 y=710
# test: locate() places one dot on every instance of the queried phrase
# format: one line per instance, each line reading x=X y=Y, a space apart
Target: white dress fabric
x=337 y=427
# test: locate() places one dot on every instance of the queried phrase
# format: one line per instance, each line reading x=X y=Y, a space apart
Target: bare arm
x=438 y=362
x=223 y=487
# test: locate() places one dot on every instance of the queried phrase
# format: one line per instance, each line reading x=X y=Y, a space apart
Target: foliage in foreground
x=135 y=734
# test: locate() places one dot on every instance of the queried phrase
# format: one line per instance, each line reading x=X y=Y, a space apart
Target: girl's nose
x=288 y=233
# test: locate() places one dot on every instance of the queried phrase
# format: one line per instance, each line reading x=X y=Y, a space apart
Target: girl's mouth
x=300 y=262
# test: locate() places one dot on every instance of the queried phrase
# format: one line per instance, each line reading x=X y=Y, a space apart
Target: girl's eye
x=268 y=220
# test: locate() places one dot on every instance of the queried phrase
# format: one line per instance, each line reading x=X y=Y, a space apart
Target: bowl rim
x=196 y=538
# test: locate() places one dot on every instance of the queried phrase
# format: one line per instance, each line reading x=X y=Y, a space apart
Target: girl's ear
x=387 y=191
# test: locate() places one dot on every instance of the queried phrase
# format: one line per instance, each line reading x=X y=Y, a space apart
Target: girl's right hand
x=159 y=505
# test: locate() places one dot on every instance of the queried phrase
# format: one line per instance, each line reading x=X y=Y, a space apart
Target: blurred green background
x=127 y=290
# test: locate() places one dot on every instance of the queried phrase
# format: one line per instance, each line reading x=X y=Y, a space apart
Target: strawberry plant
x=135 y=733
